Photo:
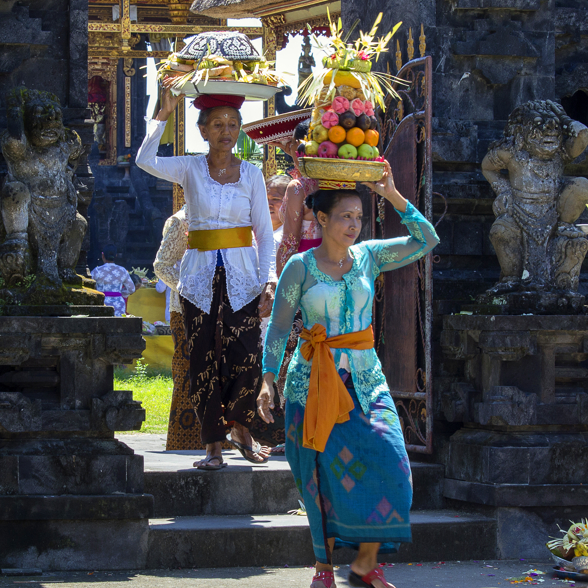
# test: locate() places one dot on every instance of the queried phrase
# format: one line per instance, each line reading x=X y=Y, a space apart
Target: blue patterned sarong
x=359 y=490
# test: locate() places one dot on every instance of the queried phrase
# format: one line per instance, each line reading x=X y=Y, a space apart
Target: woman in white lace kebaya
x=227 y=274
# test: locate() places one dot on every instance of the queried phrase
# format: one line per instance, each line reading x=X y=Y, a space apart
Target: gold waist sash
x=220 y=238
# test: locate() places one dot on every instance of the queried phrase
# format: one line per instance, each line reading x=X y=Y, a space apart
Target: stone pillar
x=518 y=387
x=71 y=496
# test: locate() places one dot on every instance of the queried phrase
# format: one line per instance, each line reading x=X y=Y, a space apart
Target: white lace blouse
x=211 y=205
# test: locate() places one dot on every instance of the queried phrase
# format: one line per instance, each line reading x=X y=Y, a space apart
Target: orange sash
x=220 y=238
x=328 y=400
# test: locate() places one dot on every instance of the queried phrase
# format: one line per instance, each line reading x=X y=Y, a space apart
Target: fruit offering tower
x=345 y=93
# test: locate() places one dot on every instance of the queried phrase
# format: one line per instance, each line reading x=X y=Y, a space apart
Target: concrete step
x=240 y=489
x=278 y=540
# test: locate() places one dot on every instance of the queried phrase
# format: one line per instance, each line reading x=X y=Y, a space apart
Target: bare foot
x=212 y=449
x=241 y=434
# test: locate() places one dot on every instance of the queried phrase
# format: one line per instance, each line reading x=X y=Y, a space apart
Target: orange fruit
x=337 y=134
x=355 y=136
x=372 y=137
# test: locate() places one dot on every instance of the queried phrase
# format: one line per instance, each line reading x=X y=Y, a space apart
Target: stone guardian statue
x=539 y=248
x=38 y=200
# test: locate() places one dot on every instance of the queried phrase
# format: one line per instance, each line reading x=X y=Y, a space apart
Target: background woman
x=225 y=278
x=114 y=280
x=345 y=445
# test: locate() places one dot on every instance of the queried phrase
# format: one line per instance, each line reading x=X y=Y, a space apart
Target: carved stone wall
x=44 y=46
x=489 y=56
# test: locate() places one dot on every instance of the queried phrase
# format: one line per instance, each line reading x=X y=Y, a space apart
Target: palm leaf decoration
x=354 y=58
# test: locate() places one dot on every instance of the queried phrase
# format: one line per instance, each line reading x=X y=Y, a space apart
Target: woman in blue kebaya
x=343 y=437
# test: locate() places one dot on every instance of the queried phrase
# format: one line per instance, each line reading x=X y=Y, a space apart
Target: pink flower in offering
x=369 y=108
x=363 y=55
x=340 y=104
x=358 y=107
x=330 y=119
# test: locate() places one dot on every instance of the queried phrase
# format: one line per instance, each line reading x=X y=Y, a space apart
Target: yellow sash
x=220 y=238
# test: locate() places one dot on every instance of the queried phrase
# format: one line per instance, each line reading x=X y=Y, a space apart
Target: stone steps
x=278 y=540
x=237 y=516
x=242 y=490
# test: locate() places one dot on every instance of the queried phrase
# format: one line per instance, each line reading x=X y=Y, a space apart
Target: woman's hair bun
x=309 y=201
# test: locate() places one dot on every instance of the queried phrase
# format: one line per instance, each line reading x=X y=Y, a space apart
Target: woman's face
x=222 y=128
x=343 y=224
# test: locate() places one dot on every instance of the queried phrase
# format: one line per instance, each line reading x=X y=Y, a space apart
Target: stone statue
x=44 y=231
x=539 y=248
x=306 y=61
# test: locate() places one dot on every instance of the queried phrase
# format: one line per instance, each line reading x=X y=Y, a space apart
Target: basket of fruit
x=343 y=142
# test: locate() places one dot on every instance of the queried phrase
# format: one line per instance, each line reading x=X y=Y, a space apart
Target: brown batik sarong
x=225 y=366
x=183 y=430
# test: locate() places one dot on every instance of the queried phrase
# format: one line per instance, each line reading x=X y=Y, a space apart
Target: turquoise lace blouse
x=342 y=306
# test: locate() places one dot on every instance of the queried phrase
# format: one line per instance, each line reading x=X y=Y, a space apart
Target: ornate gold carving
x=127 y=111
x=270 y=24
x=128 y=68
x=422 y=41
x=300 y=26
x=410 y=43
x=125 y=22
x=181 y=128
x=103 y=27
x=398 y=56
x=118 y=53
x=273 y=21
x=99 y=27
x=178 y=197
x=106 y=69
x=179 y=12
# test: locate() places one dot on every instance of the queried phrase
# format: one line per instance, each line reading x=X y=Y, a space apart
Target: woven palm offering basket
x=222 y=62
x=341 y=170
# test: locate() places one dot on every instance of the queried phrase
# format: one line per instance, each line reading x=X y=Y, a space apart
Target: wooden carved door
x=404 y=297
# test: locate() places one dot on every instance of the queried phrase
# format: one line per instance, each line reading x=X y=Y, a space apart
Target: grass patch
x=153 y=388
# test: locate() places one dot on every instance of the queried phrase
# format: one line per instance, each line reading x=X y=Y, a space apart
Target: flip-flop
x=366 y=581
x=278 y=449
x=206 y=465
x=244 y=448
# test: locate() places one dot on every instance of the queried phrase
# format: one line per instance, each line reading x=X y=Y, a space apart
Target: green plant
x=28 y=280
x=246 y=148
x=141 y=369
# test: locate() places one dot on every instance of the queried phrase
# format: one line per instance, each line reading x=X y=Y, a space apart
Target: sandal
x=326 y=579
x=243 y=449
x=366 y=581
x=278 y=449
x=206 y=465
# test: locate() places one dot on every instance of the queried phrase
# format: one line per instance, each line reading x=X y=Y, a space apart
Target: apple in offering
x=344 y=129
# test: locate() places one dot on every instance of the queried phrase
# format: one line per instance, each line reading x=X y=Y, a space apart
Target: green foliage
x=141 y=369
x=248 y=150
x=153 y=388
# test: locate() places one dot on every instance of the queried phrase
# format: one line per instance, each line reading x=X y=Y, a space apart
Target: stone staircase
x=238 y=516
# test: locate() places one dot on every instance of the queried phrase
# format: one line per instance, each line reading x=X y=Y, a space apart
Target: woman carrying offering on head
x=226 y=277
x=345 y=445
